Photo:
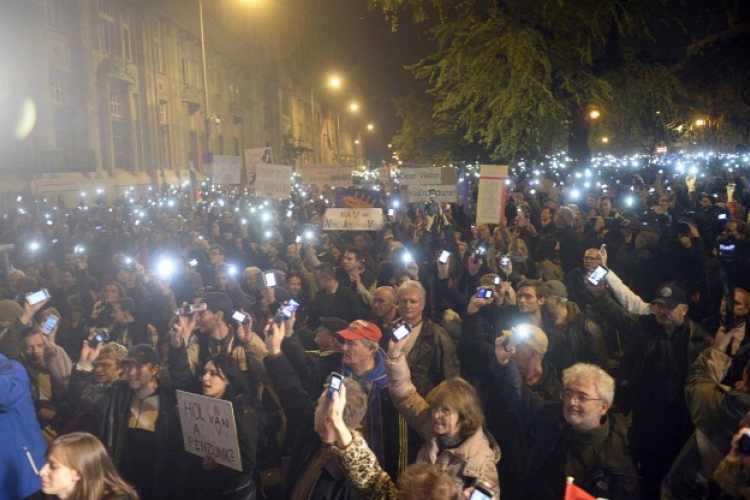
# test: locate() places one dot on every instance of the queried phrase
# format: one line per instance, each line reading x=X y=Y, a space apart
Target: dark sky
x=362 y=48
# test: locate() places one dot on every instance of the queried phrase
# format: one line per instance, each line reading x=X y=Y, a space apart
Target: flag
x=325 y=134
x=573 y=492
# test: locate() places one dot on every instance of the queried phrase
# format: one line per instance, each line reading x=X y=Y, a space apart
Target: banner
x=253 y=158
x=491 y=199
x=358 y=198
x=421 y=194
x=226 y=170
x=420 y=176
x=273 y=181
x=327 y=175
x=209 y=429
x=345 y=219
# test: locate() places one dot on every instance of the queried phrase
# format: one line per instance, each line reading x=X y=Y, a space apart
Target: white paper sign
x=209 y=429
x=253 y=158
x=347 y=219
x=273 y=181
x=418 y=176
x=330 y=176
x=491 y=197
x=226 y=170
x=421 y=194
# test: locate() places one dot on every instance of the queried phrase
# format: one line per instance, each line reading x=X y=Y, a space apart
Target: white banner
x=491 y=198
x=346 y=219
x=421 y=194
x=226 y=170
x=419 y=176
x=326 y=176
x=253 y=158
x=273 y=181
x=209 y=429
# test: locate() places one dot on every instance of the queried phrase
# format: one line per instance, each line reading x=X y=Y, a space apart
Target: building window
x=107 y=27
x=158 y=49
x=57 y=87
x=127 y=47
x=164 y=152
x=115 y=105
x=237 y=147
x=162 y=113
x=234 y=94
x=53 y=10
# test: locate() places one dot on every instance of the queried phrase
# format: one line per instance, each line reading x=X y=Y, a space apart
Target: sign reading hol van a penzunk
x=209 y=429
x=348 y=219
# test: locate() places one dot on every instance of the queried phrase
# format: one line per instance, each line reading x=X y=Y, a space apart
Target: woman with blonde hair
x=78 y=468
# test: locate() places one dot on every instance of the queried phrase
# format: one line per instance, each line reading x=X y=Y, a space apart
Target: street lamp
x=700 y=122
x=353 y=107
x=594 y=114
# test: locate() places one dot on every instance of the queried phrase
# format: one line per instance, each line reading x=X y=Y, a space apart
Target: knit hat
x=556 y=288
x=9 y=310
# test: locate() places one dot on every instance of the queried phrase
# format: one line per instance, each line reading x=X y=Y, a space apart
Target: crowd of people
x=595 y=338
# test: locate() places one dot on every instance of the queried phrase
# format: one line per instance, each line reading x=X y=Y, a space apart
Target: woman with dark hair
x=548 y=259
x=450 y=420
x=78 y=468
x=222 y=378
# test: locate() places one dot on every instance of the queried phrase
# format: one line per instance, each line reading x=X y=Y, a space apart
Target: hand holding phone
x=334 y=384
x=37 y=297
x=49 y=324
x=444 y=256
x=401 y=331
x=485 y=293
x=270 y=278
x=597 y=275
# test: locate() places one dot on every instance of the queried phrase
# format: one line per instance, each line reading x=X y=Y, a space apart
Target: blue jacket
x=23 y=448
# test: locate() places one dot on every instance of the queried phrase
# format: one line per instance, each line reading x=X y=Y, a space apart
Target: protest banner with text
x=421 y=193
x=226 y=170
x=345 y=219
x=326 y=175
x=253 y=158
x=209 y=429
x=491 y=198
x=273 y=181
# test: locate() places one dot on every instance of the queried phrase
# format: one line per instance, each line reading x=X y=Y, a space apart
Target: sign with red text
x=209 y=429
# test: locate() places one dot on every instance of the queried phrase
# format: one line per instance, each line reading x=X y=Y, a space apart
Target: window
x=234 y=94
x=158 y=49
x=115 y=105
x=107 y=27
x=127 y=47
x=236 y=147
x=57 y=87
x=53 y=10
x=162 y=113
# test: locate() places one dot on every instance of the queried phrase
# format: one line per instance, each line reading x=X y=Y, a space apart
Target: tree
x=520 y=76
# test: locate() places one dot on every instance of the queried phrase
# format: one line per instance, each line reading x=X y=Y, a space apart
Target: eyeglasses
x=442 y=411
x=581 y=397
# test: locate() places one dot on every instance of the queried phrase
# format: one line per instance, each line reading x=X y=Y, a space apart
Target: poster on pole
x=226 y=170
x=209 y=429
x=327 y=176
x=491 y=199
x=346 y=219
x=421 y=193
x=273 y=181
x=253 y=158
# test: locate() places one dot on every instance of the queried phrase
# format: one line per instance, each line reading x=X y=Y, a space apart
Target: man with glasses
x=575 y=437
x=652 y=375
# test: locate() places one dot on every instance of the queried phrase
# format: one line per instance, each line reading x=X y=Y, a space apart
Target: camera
x=518 y=335
x=192 y=309
x=497 y=281
x=102 y=335
x=401 y=331
x=334 y=384
x=485 y=293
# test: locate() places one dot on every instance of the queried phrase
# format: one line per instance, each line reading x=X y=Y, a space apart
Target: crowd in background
x=637 y=385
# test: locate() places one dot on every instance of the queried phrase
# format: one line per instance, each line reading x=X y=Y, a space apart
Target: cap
x=532 y=336
x=9 y=310
x=671 y=293
x=142 y=354
x=334 y=324
x=556 y=288
x=361 y=329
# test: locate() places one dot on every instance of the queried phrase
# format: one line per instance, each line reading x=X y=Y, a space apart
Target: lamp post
x=205 y=83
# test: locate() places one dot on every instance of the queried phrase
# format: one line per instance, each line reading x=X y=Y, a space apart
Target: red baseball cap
x=361 y=329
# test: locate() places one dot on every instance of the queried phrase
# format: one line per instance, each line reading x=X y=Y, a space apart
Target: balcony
x=47 y=162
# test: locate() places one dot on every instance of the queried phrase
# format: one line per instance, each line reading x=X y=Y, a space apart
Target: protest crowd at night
x=454 y=332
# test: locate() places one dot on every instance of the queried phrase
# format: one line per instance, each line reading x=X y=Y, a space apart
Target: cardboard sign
x=209 y=429
x=226 y=170
x=491 y=199
x=421 y=194
x=273 y=181
x=253 y=158
x=420 y=176
x=327 y=176
x=347 y=219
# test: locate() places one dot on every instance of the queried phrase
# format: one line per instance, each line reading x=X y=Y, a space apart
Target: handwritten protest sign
x=226 y=170
x=330 y=176
x=491 y=198
x=253 y=158
x=421 y=193
x=273 y=181
x=417 y=176
x=209 y=429
x=345 y=219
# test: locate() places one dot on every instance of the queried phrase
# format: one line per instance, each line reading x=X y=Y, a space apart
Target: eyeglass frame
x=581 y=397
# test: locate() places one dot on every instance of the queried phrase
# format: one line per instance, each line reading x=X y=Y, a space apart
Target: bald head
x=384 y=301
